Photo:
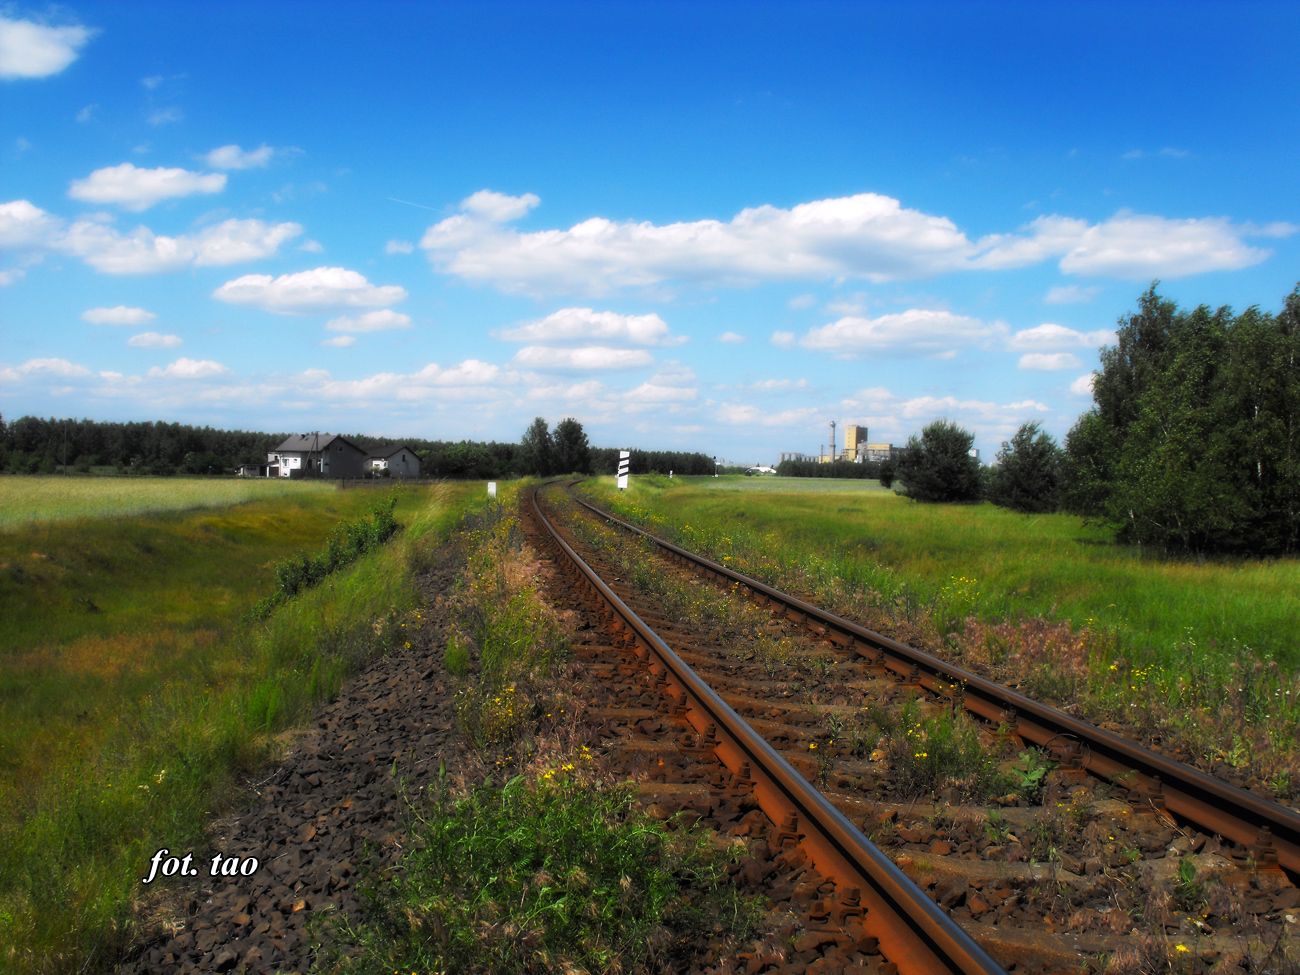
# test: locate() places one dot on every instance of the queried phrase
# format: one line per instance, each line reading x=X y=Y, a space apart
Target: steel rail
x=913 y=932
x=1268 y=831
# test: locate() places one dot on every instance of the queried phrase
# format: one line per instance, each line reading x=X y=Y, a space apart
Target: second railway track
x=1115 y=863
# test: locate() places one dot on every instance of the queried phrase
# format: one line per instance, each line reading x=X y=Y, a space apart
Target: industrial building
x=856 y=448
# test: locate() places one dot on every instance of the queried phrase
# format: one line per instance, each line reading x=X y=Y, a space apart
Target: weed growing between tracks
x=528 y=859
x=1125 y=660
x=164 y=759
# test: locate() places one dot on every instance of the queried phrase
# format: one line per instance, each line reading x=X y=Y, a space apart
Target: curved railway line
x=943 y=856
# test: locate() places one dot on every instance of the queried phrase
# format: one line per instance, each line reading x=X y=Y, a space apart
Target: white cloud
x=133 y=188
x=587 y=324
x=498 y=207
x=867 y=236
x=118 y=315
x=233 y=157
x=1138 y=247
x=399 y=247
x=1071 y=294
x=1049 y=361
x=143 y=252
x=1083 y=385
x=320 y=289
x=58 y=368
x=188 y=369
x=154 y=340
x=744 y=414
x=800 y=302
x=914 y=330
x=311 y=246
x=1052 y=336
x=371 y=321
x=32 y=50
x=87 y=113
x=731 y=338
x=583 y=358
x=22 y=224
x=341 y=341
x=783 y=340
x=11 y=275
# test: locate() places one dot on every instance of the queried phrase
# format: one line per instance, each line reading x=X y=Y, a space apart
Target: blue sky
x=710 y=226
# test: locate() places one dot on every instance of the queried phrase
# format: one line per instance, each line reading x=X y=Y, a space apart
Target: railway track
x=951 y=857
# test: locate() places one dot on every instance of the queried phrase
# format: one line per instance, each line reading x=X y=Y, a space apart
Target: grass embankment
x=1203 y=652
x=135 y=691
x=25 y=500
x=530 y=860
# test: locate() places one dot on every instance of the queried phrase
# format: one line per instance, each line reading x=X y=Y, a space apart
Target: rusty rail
x=912 y=930
x=1267 y=832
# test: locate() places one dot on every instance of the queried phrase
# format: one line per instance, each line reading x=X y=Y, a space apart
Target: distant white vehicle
x=760 y=470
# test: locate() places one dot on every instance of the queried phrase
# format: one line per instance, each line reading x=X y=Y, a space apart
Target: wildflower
x=812 y=746
x=162 y=772
x=406 y=645
x=1181 y=947
x=920 y=754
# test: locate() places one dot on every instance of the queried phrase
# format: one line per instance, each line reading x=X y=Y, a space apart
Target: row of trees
x=566 y=451
x=1192 y=443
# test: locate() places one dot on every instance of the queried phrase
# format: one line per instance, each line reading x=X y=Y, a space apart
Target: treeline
x=1192 y=443
x=32 y=445
x=868 y=469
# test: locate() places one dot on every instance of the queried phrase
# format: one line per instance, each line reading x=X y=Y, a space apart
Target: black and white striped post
x=624 y=465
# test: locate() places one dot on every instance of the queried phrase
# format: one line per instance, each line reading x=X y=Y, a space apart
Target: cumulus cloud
x=866 y=236
x=55 y=368
x=23 y=224
x=132 y=188
x=399 y=247
x=1049 y=361
x=32 y=50
x=783 y=340
x=118 y=315
x=233 y=157
x=582 y=358
x=587 y=324
x=141 y=251
x=777 y=385
x=914 y=330
x=1051 y=336
x=745 y=414
x=1139 y=247
x=1082 y=386
x=371 y=321
x=498 y=207
x=154 y=340
x=800 y=302
x=340 y=341
x=188 y=369
x=731 y=338
x=320 y=289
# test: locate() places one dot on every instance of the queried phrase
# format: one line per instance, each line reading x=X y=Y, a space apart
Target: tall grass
x=25 y=500
x=1200 y=652
x=147 y=742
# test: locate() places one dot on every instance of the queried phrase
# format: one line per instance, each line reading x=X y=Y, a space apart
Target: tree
x=938 y=465
x=1193 y=442
x=572 y=452
x=1028 y=474
x=886 y=474
x=536 y=449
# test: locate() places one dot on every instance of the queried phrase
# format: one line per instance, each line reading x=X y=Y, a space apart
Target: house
x=398 y=459
x=316 y=455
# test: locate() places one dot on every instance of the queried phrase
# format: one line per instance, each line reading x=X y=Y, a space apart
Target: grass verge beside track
x=1202 y=653
x=130 y=717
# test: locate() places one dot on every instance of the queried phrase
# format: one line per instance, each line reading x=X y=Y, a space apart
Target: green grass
x=553 y=875
x=125 y=725
x=1055 y=566
x=26 y=500
x=1202 y=653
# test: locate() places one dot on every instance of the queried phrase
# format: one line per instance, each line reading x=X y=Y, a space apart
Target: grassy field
x=1131 y=629
x=134 y=688
x=27 y=500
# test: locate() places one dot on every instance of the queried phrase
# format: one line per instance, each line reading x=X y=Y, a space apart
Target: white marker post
x=624 y=465
x=492 y=489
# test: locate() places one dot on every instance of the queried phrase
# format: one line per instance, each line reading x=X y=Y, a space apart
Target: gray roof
x=313 y=442
x=388 y=449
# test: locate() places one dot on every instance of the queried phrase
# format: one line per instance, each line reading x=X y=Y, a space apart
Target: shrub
x=938 y=466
